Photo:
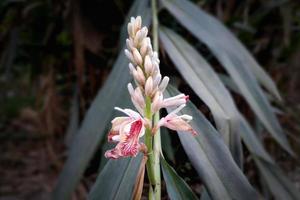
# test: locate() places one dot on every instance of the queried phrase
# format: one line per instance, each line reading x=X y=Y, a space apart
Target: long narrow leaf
x=207 y=85
x=215 y=34
x=167 y=147
x=201 y=77
x=279 y=185
x=116 y=180
x=176 y=186
x=212 y=159
x=252 y=141
x=235 y=58
x=92 y=130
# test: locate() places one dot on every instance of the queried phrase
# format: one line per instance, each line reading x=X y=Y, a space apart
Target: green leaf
x=205 y=195
x=279 y=185
x=212 y=159
x=235 y=58
x=92 y=129
x=166 y=142
x=176 y=186
x=206 y=84
x=93 y=126
x=116 y=180
x=213 y=33
x=252 y=141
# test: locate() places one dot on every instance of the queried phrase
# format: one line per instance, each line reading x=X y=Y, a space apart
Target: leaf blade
x=207 y=85
x=212 y=160
x=121 y=186
x=176 y=186
x=278 y=184
x=234 y=58
x=92 y=131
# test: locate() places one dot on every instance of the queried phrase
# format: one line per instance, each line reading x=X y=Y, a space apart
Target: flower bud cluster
x=144 y=67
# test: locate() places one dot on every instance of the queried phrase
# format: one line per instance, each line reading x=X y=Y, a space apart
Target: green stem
x=153 y=144
x=149 y=143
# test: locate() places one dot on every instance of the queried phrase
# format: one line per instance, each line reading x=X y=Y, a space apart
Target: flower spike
x=146 y=96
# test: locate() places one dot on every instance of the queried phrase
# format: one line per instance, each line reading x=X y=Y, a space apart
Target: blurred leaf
x=92 y=129
x=235 y=58
x=176 y=186
x=218 y=38
x=166 y=142
x=205 y=195
x=206 y=84
x=252 y=141
x=212 y=159
x=228 y=82
x=9 y=54
x=279 y=185
x=73 y=119
x=93 y=126
x=116 y=180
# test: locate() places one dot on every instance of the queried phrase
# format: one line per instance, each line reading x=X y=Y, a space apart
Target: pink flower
x=126 y=131
x=175 y=122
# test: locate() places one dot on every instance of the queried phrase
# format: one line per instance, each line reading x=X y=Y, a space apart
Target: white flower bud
x=137 y=24
x=130 y=89
x=156 y=80
x=137 y=57
x=155 y=57
x=156 y=102
x=140 y=78
x=148 y=65
x=164 y=83
x=131 y=68
x=129 y=56
x=149 y=86
x=145 y=46
x=129 y=44
x=130 y=30
x=140 y=35
x=139 y=97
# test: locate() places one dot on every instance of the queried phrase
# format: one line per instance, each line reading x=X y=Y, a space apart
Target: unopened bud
x=164 y=83
x=156 y=102
x=145 y=46
x=139 y=76
x=148 y=65
x=129 y=56
x=137 y=56
x=130 y=30
x=129 y=44
x=149 y=86
x=156 y=80
x=137 y=24
x=140 y=35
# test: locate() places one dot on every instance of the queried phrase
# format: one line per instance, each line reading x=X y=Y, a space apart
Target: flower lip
x=126 y=131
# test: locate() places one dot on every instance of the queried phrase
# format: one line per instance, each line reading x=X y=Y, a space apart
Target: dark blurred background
x=55 y=55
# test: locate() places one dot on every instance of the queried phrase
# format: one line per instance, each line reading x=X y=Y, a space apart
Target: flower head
x=150 y=85
x=126 y=131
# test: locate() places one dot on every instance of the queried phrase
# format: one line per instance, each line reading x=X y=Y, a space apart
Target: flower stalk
x=156 y=148
x=147 y=97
